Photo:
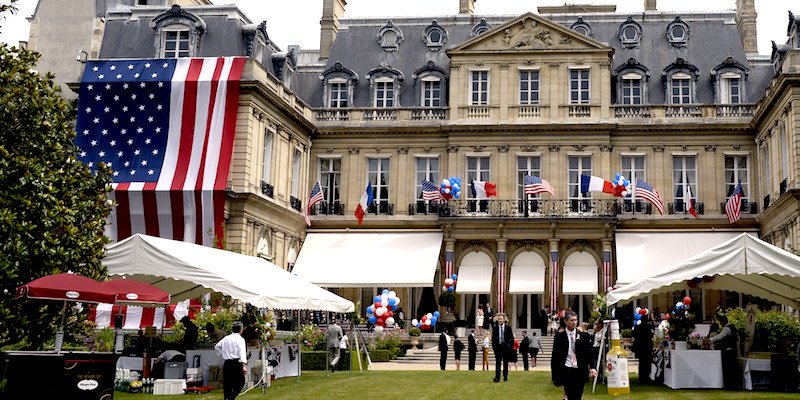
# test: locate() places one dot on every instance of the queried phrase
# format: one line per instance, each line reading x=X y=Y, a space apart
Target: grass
x=449 y=385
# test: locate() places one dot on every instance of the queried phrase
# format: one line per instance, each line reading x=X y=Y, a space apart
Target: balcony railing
x=635 y=207
x=478 y=112
x=422 y=207
x=381 y=207
x=747 y=207
x=380 y=114
x=529 y=112
x=323 y=208
x=580 y=111
x=332 y=115
x=783 y=186
x=735 y=110
x=296 y=203
x=426 y=114
x=680 y=207
x=536 y=208
x=686 y=111
x=267 y=189
x=633 y=111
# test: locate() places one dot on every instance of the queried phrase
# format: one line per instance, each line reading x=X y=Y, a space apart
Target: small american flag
x=647 y=192
x=430 y=191
x=733 y=208
x=166 y=128
x=315 y=197
x=535 y=184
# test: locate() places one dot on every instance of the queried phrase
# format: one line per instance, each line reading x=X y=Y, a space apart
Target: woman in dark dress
x=458 y=347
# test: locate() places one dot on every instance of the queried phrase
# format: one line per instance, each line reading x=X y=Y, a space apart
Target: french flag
x=366 y=199
x=595 y=184
x=483 y=190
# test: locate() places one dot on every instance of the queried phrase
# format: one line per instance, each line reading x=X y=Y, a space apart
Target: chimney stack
x=466 y=7
x=332 y=11
x=650 y=5
x=746 y=25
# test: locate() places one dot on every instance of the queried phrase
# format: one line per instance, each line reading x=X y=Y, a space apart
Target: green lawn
x=449 y=385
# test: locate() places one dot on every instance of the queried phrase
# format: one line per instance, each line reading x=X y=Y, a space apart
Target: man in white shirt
x=232 y=349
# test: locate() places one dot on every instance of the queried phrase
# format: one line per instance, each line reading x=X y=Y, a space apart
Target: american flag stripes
x=315 y=197
x=449 y=267
x=606 y=271
x=647 y=192
x=501 y=281
x=535 y=184
x=554 y=280
x=733 y=208
x=166 y=128
x=431 y=192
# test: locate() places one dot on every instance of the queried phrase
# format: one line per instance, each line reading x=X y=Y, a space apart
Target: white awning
x=579 y=279
x=474 y=279
x=369 y=259
x=527 y=274
x=641 y=255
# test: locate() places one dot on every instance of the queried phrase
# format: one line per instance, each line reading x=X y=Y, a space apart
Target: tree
x=52 y=208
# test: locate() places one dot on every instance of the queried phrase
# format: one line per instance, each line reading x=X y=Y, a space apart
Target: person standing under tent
x=643 y=347
x=727 y=341
x=232 y=349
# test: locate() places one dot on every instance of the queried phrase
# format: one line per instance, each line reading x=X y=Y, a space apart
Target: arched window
x=630 y=33
x=177 y=33
x=435 y=36
x=431 y=85
x=582 y=27
x=678 y=32
x=389 y=37
x=680 y=78
x=339 y=82
x=728 y=79
x=632 y=80
x=480 y=28
x=385 y=83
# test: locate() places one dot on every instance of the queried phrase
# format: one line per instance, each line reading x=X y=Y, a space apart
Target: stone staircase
x=430 y=355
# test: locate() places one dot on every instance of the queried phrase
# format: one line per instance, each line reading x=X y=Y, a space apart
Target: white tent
x=187 y=270
x=743 y=264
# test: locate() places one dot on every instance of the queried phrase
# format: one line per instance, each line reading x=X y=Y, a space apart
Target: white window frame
x=341 y=90
x=383 y=95
x=574 y=186
x=179 y=30
x=736 y=174
x=526 y=165
x=683 y=175
x=727 y=94
x=530 y=82
x=297 y=158
x=482 y=78
x=633 y=172
x=482 y=171
x=266 y=159
x=682 y=78
x=631 y=98
x=429 y=98
x=576 y=85
x=767 y=167
x=426 y=171
x=330 y=179
x=376 y=171
x=784 y=151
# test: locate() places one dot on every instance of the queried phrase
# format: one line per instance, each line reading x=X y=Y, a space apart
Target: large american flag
x=449 y=266
x=315 y=197
x=430 y=191
x=733 y=208
x=535 y=184
x=606 y=271
x=501 y=281
x=647 y=192
x=166 y=128
x=554 y=280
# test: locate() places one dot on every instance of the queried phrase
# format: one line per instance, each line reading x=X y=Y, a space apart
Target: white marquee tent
x=187 y=270
x=743 y=264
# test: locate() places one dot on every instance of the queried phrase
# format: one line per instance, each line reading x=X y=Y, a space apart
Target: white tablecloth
x=694 y=369
x=134 y=363
x=287 y=363
x=752 y=364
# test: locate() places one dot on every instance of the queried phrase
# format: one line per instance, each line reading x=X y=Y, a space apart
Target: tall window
x=767 y=169
x=266 y=163
x=384 y=93
x=378 y=176
x=528 y=87
x=631 y=89
x=427 y=170
x=527 y=165
x=296 y=172
x=784 y=152
x=730 y=89
x=577 y=166
x=633 y=168
x=736 y=171
x=176 y=43
x=684 y=174
x=579 y=86
x=477 y=169
x=337 y=93
x=330 y=175
x=680 y=89
x=479 y=88
x=431 y=92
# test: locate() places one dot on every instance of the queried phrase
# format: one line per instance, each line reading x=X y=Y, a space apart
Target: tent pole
x=299 y=348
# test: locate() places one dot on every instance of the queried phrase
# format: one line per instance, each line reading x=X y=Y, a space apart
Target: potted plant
x=413 y=335
x=681 y=324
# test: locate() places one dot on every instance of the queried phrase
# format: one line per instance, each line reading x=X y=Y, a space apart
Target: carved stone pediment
x=476 y=245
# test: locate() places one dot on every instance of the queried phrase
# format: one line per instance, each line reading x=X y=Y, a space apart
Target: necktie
x=572 y=348
x=500 y=328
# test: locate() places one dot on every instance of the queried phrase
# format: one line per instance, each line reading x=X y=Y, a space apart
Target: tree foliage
x=52 y=208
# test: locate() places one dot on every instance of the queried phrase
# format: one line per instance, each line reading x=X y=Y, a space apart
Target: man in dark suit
x=524 y=349
x=443 y=346
x=573 y=362
x=472 y=349
x=502 y=344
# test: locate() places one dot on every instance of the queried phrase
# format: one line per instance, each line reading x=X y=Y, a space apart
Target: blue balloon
x=372 y=319
x=637 y=316
x=369 y=311
x=394 y=308
x=436 y=314
x=392 y=301
x=385 y=291
x=450 y=289
x=454 y=277
x=377 y=299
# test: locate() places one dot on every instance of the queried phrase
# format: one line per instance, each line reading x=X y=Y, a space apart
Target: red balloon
x=687 y=300
x=643 y=311
x=424 y=317
x=389 y=313
x=691 y=284
x=380 y=322
x=378 y=305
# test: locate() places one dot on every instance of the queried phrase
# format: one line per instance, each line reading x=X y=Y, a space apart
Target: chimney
x=746 y=25
x=466 y=7
x=650 y=5
x=332 y=11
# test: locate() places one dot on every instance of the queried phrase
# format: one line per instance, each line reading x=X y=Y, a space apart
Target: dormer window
x=480 y=28
x=430 y=84
x=729 y=78
x=680 y=78
x=177 y=33
x=435 y=37
x=632 y=80
x=678 y=32
x=385 y=83
x=630 y=33
x=390 y=36
x=339 y=83
x=582 y=27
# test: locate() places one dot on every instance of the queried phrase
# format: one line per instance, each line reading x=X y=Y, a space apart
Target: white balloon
x=392 y=294
x=379 y=311
x=429 y=315
x=621 y=181
x=444 y=288
x=385 y=296
x=446 y=182
x=378 y=329
x=414 y=322
x=636 y=311
x=448 y=282
x=427 y=322
x=372 y=307
x=390 y=321
x=447 y=190
x=397 y=301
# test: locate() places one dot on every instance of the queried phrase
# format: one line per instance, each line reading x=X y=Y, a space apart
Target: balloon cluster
x=450 y=283
x=622 y=186
x=381 y=312
x=692 y=283
x=680 y=306
x=638 y=313
x=427 y=322
x=451 y=188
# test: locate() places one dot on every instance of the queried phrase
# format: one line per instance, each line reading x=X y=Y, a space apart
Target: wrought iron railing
x=381 y=207
x=335 y=208
x=296 y=203
x=747 y=207
x=681 y=207
x=534 y=208
x=267 y=189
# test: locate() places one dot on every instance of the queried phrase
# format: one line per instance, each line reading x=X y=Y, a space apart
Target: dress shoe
x=495 y=380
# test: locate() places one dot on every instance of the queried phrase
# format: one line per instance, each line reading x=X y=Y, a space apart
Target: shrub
x=600 y=309
x=381 y=356
x=311 y=338
x=104 y=340
x=773 y=328
x=447 y=299
x=389 y=341
x=626 y=333
x=315 y=360
x=222 y=319
x=414 y=331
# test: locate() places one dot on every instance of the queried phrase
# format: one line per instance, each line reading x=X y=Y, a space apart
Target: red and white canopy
x=136 y=317
x=68 y=287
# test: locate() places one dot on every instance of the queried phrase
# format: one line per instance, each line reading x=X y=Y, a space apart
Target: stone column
x=501 y=275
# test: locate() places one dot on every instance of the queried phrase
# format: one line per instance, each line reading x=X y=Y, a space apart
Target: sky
x=297 y=21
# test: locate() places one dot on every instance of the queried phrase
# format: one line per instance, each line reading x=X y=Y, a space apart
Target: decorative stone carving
x=710 y=147
x=501 y=228
x=554 y=147
x=737 y=146
x=478 y=147
x=476 y=245
x=329 y=149
x=580 y=245
x=503 y=65
x=606 y=147
x=565 y=40
x=528 y=147
x=658 y=148
x=353 y=150
x=452 y=148
x=579 y=147
x=632 y=146
x=554 y=64
x=684 y=147
x=503 y=148
x=553 y=229
x=427 y=149
x=402 y=150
